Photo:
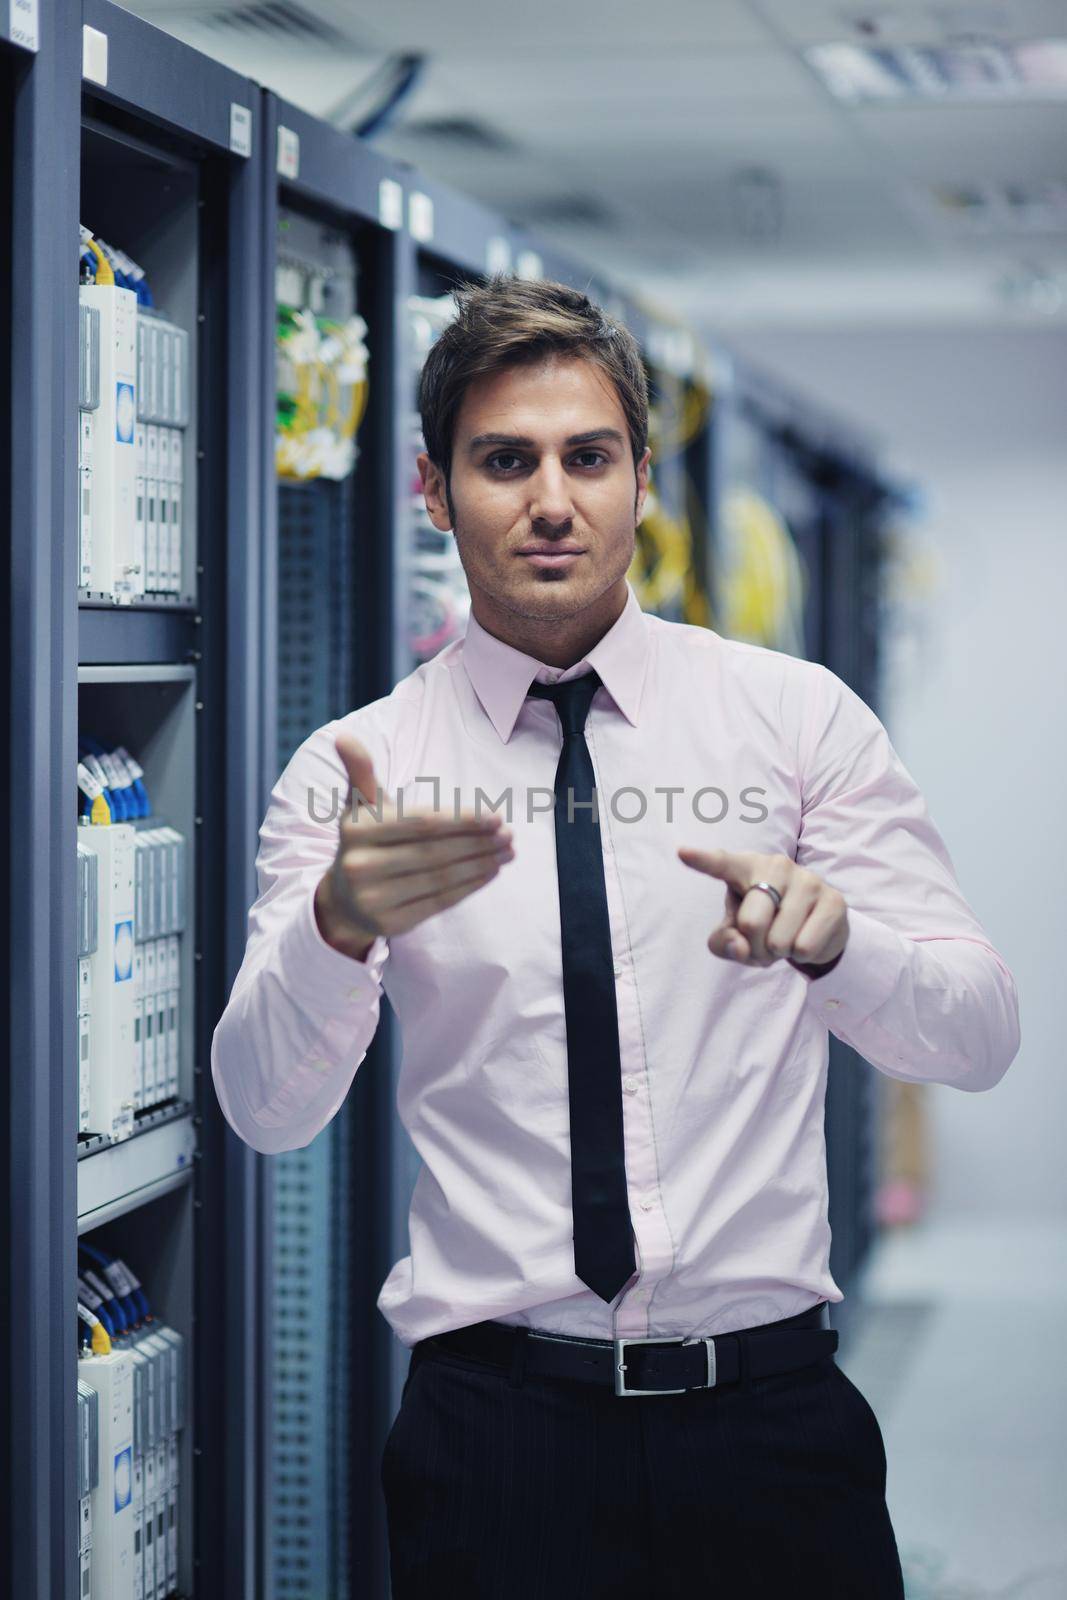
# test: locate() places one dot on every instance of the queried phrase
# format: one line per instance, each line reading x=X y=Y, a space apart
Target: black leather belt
x=652 y=1364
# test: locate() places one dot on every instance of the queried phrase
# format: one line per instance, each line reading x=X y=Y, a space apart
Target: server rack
x=333 y=206
x=823 y=479
x=38 y=1372
x=671 y=571
x=150 y=145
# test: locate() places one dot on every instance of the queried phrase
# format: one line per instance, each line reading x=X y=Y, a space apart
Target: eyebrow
x=526 y=443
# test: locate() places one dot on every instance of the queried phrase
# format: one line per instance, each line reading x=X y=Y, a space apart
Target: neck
x=558 y=641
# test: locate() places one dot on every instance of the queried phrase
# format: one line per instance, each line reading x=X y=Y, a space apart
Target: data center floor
x=955 y=1335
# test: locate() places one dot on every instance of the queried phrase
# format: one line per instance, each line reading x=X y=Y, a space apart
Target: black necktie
x=603 y=1237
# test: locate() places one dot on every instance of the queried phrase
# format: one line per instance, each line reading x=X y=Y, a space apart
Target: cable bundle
x=322 y=393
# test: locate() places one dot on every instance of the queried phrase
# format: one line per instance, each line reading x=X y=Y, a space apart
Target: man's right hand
x=388 y=876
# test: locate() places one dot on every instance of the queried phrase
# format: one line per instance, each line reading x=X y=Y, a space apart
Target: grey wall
x=974 y=687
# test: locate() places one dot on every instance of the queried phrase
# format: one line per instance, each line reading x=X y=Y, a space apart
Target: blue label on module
x=123 y=951
x=123 y=1478
x=125 y=413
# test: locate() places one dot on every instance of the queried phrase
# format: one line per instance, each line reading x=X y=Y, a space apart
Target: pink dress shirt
x=695 y=739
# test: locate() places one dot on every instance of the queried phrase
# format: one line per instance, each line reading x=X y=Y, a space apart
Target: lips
x=552 y=558
x=552 y=550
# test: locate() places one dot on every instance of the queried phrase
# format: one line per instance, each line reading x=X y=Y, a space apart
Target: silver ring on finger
x=768 y=888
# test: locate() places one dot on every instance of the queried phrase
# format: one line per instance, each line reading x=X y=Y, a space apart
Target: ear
x=433 y=489
x=642 y=482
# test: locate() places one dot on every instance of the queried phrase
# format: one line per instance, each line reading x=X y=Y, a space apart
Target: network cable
x=121 y=1279
x=97 y=1339
x=93 y=797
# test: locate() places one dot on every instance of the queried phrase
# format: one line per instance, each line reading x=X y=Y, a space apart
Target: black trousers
x=563 y=1490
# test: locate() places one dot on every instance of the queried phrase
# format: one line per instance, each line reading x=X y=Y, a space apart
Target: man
x=622 y=1377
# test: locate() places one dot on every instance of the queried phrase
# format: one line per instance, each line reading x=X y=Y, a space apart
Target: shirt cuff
x=863 y=976
x=323 y=981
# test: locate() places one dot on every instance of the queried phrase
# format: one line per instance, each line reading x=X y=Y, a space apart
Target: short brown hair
x=510 y=321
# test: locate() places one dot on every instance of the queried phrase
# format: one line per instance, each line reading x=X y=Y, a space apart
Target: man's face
x=536 y=483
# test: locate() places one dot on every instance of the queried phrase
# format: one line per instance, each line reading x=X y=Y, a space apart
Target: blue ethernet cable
x=91 y=800
x=136 y=1295
x=95 y=1336
x=134 y=795
x=136 y=278
x=137 y=794
x=107 y=1262
x=92 y=1301
x=114 y=263
x=97 y=1303
x=139 y=789
x=118 y=1274
x=89 y=760
x=116 y=794
x=112 y=1303
x=128 y=274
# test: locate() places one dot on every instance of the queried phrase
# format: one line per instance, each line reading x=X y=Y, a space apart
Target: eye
x=509 y=455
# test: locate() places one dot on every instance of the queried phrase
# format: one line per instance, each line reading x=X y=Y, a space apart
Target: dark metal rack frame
x=42 y=117
x=338 y=179
x=158 y=93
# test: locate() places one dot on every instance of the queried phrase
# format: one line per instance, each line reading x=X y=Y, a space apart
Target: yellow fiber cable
x=104 y=273
x=765 y=585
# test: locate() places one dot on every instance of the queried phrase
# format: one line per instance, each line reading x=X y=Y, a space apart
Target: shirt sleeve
x=301 y=1015
x=919 y=990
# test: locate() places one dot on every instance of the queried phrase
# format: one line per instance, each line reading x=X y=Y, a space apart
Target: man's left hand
x=810 y=926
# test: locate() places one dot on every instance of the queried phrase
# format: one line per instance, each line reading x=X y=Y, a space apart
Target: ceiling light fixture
x=973 y=70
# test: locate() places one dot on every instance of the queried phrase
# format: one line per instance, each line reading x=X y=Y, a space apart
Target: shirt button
x=647 y=1203
x=619 y=969
x=354 y=994
x=630 y=1085
x=833 y=1003
x=320 y=1065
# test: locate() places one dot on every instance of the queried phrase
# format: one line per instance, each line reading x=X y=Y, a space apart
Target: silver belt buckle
x=620 y=1364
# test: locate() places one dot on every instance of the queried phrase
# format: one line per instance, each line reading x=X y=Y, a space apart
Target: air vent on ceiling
x=982 y=207
x=276 y=19
x=468 y=132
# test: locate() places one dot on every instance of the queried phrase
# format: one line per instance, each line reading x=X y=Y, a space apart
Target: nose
x=550 y=497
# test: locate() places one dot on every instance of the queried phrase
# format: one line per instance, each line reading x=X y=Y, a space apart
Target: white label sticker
x=390 y=204
x=94 y=55
x=288 y=152
x=22 y=23
x=240 y=129
x=498 y=254
x=528 y=264
x=420 y=216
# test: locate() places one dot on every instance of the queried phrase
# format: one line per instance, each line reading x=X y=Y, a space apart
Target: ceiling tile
x=958 y=141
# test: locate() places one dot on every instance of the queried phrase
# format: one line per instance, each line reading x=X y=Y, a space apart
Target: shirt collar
x=501 y=675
